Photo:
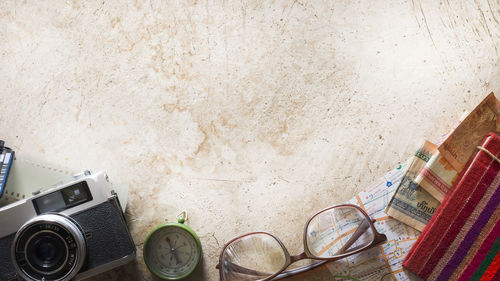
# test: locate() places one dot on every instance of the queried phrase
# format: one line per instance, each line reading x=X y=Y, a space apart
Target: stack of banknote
x=436 y=166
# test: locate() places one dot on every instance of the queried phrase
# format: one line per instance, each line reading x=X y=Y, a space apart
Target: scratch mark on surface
x=283 y=179
x=426 y=25
x=226 y=86
x=453 y=23
x=221 y=180
x=492 y=13
x=476 y=31
x=287 y=16
x=216 y=240
x=415 y=12
x=45 y=95
x=485 y=24
x=208 y=30
x=244 y=17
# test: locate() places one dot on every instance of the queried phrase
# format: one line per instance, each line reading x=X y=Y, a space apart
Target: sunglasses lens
x=338 y=231
x=252 y=257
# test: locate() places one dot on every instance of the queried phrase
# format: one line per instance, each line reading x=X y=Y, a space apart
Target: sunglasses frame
x=306 y=254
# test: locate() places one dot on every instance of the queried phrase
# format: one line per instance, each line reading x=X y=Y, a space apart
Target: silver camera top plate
x=14 y=215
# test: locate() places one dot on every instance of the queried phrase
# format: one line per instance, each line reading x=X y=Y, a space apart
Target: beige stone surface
x=251 y=115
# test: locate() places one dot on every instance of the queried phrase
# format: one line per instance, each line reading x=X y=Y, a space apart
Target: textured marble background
x=251 y=115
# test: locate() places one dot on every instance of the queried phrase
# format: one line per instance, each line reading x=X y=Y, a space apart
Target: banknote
x=459 y=146
x=411 y=203
x=437 y=177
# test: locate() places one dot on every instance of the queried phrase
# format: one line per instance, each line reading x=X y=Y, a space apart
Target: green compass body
x=172 y=250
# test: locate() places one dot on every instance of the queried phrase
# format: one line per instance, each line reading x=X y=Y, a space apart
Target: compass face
x=171 y=252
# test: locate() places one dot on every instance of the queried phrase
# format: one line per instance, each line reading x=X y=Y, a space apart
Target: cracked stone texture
x=252 y=115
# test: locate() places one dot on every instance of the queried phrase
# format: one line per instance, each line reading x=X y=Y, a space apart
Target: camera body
x=73 y=231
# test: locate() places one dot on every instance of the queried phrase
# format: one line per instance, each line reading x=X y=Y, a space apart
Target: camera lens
x=49 y=247
x=46 y=251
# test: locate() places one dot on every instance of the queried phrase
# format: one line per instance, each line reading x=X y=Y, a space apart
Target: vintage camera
x=72 y=231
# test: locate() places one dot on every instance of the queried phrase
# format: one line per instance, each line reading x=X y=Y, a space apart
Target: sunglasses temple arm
x=299 y=270
x=243 y=270
x=355 y=236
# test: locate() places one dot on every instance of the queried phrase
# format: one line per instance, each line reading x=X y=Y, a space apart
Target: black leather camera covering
x=7 y=270
x=107 y=235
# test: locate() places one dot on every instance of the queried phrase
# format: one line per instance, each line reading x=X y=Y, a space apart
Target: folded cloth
x=461 y=241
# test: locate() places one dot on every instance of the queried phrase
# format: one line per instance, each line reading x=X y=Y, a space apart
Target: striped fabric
x=461 y=241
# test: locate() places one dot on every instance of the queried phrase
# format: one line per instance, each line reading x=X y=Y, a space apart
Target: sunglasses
x=329 y=235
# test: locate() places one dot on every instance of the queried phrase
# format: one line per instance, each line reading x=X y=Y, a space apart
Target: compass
x=172 y=250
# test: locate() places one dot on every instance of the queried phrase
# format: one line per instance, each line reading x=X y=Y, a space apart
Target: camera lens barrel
x=48 y=247
x=46 y=251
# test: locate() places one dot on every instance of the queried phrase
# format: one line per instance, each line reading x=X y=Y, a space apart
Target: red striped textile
x=492 y=270
x=474 y=266
x=455 y=235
